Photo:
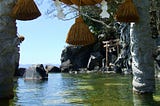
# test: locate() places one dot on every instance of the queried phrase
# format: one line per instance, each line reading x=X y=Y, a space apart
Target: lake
x=80 y=90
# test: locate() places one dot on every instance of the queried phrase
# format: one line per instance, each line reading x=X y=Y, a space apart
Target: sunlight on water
x=80 y=90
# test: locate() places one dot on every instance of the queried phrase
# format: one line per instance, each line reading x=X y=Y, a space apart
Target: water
x=80 y=90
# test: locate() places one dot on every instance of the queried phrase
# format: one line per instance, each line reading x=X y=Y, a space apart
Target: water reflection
x=101 y=90
x=79 y=90
x=148 y=99
x=143 y=100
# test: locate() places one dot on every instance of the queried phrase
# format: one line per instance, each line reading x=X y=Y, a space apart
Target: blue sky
x=44 y=40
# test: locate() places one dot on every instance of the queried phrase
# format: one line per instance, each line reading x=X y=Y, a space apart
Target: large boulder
x=36 y=72
x=52 y=69
x=40 y=69
x=75 y=56
x=20 y=72
x=66 y=66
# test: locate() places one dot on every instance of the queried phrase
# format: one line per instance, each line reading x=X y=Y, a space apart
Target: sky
x=44 y=40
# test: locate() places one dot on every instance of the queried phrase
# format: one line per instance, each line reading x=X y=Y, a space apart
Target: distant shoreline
x=28 y=65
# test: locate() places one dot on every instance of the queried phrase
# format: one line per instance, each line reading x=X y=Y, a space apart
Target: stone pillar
x=142 y=49
x=8 y=48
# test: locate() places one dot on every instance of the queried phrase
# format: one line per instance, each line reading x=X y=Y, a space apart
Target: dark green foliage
x=98 y=25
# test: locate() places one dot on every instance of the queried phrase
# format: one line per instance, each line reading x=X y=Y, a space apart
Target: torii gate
x=108 y=45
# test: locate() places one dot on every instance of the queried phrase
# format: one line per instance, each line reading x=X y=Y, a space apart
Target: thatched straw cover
x=68 y=2
x=127 y=12
x=90 y=2
x=85 y=2
x=79 y=33
x=78 y=2
x=25 y=10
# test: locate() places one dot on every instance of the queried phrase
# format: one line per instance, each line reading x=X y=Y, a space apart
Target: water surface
x=80 y=90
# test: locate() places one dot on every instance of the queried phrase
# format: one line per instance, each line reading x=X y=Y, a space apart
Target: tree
x=8 y=48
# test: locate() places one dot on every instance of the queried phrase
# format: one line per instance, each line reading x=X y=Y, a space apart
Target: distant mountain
x=28 y=65
x=24 y=65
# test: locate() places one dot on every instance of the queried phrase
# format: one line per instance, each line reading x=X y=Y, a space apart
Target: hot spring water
x=64 y=89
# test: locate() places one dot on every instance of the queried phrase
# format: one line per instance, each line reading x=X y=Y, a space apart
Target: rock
x=52 y=69
x=66 y=66
x=95 y=61
x=77 y=55
x=40 y=69
x=20 y=72
x=36 y=72
x=117 y=69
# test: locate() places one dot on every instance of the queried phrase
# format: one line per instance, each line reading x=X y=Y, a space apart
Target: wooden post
x=110 y=44
x=106 y=46
x=107 y=63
